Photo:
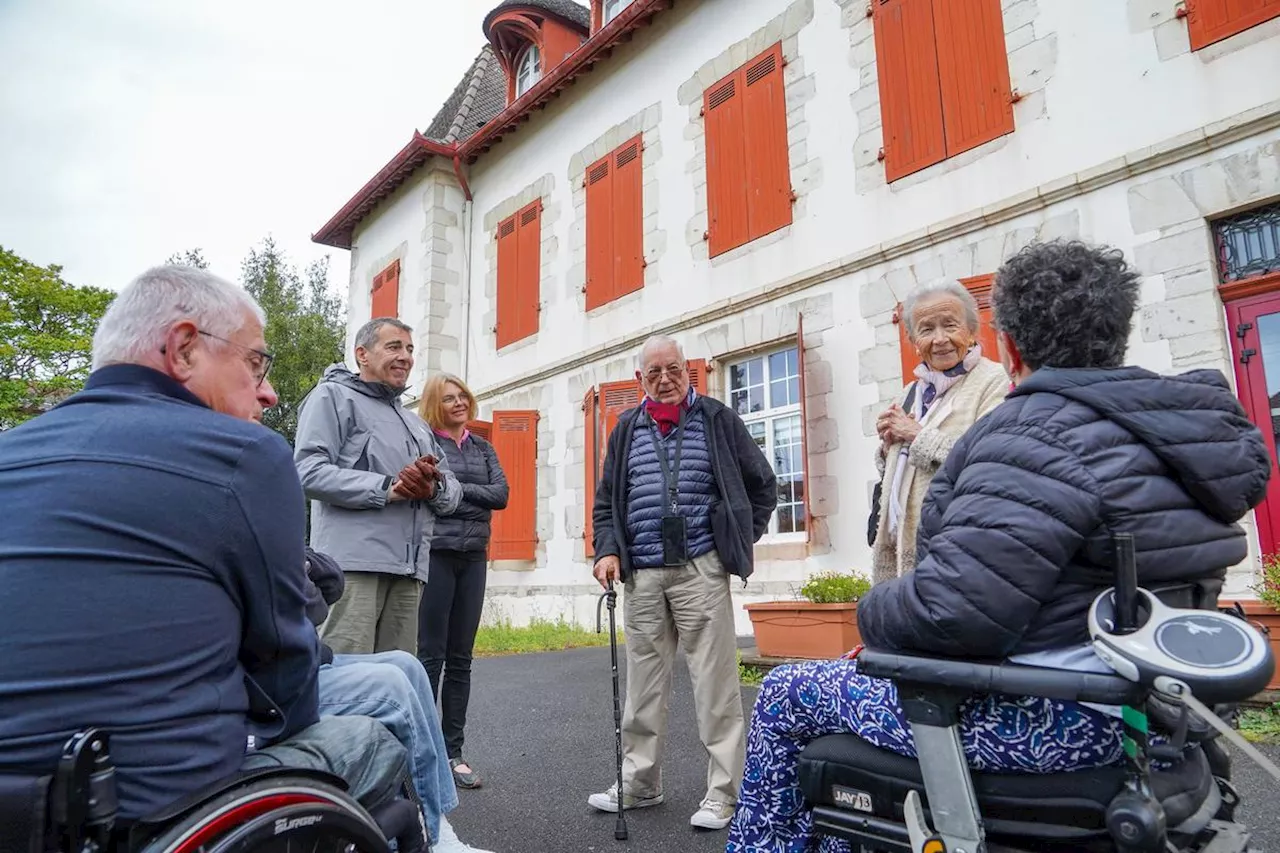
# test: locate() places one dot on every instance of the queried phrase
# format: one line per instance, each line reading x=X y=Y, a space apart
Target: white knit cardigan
x=980 y=391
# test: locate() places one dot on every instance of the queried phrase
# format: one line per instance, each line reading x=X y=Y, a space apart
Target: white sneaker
x=608 y=800
x=712 y=815
x=448 y=842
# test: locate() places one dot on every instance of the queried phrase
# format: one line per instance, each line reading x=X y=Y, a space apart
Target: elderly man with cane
x=685 y=494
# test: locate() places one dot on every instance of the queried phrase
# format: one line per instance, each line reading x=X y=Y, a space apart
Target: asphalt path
x=540 y=732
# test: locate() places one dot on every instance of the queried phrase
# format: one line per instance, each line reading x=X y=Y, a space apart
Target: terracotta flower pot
x=802 y=629
x=1261 y=613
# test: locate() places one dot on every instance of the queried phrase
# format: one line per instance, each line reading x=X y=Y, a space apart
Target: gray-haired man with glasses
x=377 y=479
x=685 y=494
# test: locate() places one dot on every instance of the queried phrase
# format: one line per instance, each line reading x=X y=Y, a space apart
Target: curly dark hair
x=1067 y=304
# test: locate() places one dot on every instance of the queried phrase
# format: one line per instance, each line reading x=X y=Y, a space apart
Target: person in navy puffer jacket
x=685 y=495
x=1015 y=538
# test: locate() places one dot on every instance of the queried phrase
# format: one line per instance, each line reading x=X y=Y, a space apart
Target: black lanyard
x=670 y=469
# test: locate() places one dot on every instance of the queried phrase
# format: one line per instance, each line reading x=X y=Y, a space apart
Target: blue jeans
x=391 y=687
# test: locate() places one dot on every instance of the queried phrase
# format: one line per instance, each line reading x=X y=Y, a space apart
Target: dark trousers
x=448 y=619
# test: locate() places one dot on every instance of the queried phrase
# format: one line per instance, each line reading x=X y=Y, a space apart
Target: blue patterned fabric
x=646 y=498
x=800 y=702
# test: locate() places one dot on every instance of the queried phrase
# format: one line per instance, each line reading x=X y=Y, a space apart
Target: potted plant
x=824 y=624
x=1265 y=611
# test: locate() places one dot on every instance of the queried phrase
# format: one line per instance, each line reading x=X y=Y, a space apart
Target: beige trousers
x=377 y=613
x=690 y=605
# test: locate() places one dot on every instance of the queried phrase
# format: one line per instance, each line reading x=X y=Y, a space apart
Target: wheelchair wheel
x=276 y=815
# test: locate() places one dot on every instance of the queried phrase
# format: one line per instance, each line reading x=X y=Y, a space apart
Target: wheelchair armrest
x=1007 y=678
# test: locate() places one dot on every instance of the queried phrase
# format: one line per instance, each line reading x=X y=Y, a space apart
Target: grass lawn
x=1261 y=725
x=540 y=636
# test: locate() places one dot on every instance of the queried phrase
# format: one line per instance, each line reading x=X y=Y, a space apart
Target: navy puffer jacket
x=1015 y=534
x=484 y=490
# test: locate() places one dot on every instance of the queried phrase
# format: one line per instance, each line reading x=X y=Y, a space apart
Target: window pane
x=784 y=378
x=757 y=431
x=746 y=386
x=786 y=519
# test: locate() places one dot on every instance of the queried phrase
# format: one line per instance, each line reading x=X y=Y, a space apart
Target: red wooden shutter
x=804 y=429
x=628 y=219
x=980 y=287
x=1209 y=21
x=591 y=460
x=386 y=292
x=508 y=282
x=768 y=162
x=515 y=440
x=484 y=429
x=600 y=249
x=973 y=72
x=910 y=94
x=725 y=133
x=529 y=270
x=698 y=375
x=616 y=398
x=906 y=348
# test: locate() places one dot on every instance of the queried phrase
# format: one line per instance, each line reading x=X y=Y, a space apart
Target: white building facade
x=765 y=181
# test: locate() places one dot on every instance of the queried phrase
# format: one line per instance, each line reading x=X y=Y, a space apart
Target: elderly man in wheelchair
x=158 y=672
x=1018 y=691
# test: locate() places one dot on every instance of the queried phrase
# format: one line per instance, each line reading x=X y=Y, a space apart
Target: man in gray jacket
x=377 y=479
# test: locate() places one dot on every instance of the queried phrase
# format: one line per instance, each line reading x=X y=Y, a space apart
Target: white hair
x=654 y=342
x=140 y=317
x=941 y=287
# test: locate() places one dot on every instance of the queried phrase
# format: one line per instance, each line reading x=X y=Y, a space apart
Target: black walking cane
x=611 y=597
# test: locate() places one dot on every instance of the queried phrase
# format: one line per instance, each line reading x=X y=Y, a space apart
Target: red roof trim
x=338 y=231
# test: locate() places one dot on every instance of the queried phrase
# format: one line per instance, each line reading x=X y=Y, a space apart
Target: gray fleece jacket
x=353 y=438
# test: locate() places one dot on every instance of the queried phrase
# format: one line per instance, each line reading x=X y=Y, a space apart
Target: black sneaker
x=469 y=779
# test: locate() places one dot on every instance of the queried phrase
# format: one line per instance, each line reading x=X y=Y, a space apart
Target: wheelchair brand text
x=285 y=824
x=850 y=798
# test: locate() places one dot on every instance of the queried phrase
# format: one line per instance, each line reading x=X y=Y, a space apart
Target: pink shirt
x=445 y=434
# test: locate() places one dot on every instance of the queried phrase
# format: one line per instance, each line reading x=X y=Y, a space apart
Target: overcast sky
x=133 y=129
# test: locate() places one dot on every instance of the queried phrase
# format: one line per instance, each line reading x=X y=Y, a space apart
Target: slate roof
x=480 y=95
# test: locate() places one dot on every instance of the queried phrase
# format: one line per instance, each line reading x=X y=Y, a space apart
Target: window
x=1248 y=243
x=514 y=438
x=385 y=292
x=944 y=79
x=1209 y=21
x=530 y=70
x=980 y=287
x=765 y=391
x=613 y=7
x=519 y=274
x=615 y=233
x=748 y=164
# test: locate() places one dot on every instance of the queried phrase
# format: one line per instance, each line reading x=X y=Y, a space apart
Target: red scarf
x=665 y=415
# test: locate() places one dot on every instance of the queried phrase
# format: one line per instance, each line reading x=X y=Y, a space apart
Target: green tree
x=46 y=336
x=306 y=326
x=190 y=258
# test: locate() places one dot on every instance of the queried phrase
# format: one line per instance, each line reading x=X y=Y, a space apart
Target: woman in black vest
x=449 y=615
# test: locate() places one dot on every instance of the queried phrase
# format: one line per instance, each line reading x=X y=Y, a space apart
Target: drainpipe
x=467 y=213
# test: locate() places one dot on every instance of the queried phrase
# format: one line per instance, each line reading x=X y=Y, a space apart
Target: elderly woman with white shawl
x=955 y=385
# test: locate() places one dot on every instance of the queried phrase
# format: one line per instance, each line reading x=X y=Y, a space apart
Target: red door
x=1254 y=325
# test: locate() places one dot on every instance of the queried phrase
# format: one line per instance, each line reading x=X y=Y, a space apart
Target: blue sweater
x=648 y=500
x=151 y=577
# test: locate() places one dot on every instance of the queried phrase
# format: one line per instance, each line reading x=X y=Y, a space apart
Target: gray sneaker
x=608 y=800
x=712 y=815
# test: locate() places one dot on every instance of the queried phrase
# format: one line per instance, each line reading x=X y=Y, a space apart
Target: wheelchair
x=1168 y=662
x=273 y=810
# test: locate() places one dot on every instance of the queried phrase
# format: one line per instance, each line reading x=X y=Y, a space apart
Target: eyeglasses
x=653 y=374
x=259 y=361
x=451 y=399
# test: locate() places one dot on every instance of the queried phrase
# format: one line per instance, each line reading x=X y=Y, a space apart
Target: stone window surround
x=551 y=210
x=757 y=329
x=644 y=124
x=1172 y=38
x=441 y=294
x=1174 y=212
x=799 y=89
x=1033 y=61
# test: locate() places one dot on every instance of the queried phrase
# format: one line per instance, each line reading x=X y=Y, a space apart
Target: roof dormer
x=604 y=11
x=531 y=37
